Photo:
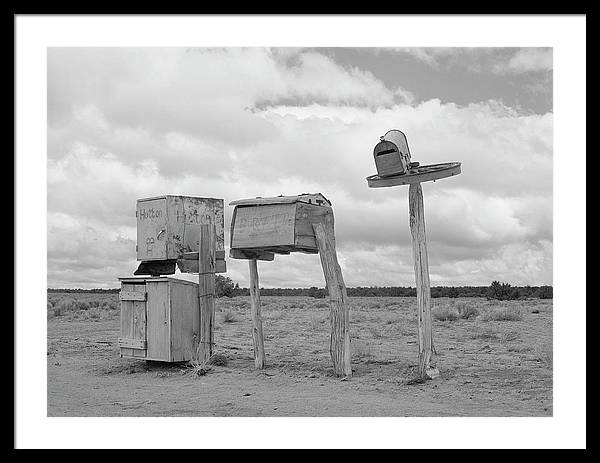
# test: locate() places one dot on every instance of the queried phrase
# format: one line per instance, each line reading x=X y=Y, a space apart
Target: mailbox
x=280 y=224
x=392 y=156
x=159 y=318
x=168 y=228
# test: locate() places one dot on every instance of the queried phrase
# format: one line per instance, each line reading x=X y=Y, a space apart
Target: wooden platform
x=416 y=175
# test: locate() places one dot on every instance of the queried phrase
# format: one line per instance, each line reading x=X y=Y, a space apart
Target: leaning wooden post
x=257 y=330
x=206 y=290
x=339 y=346
x=421 y=264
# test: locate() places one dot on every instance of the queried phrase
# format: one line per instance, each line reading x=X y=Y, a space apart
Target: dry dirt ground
x=498 y=362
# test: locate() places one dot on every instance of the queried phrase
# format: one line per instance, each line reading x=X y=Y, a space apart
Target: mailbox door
x=159 y=320
x=152 y=229
x=132 y=339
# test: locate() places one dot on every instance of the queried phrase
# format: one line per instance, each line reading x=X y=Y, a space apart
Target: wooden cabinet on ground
x=280 y=225
x=159 y=318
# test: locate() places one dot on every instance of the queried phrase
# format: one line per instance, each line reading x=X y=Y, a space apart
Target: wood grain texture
x=257 y=328
x=206 y=291
x=261 y=226
x=133 y=320
x=421 y=266
x=250 y=254
x=184 y=307
x=339 y=346
x=158 y=320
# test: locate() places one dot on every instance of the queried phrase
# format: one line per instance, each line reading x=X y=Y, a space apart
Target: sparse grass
x=487 y=333
x=504 y=314
x=445 y=314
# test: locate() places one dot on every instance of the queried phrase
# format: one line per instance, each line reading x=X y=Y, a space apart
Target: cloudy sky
x=128 y=123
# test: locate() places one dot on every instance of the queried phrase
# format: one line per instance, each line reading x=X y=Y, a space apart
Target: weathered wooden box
x=280 y=224
x=159 y=318
x=168 y=228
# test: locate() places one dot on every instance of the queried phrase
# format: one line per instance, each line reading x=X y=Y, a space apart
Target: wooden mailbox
x=159 y=318
x=262 y=227
x=168 y=231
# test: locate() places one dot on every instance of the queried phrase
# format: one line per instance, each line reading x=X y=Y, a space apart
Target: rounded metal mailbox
x=392 y=156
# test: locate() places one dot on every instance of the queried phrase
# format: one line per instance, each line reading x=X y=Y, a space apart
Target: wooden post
x=339 y=346
x=206 y=290
x=421 y=263
x=257 y=330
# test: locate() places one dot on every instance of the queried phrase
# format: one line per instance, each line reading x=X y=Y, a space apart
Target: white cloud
x=126 y=124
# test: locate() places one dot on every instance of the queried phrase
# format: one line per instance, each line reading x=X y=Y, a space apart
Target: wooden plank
x=132 y=343
x=191 y=266
x=257 y=329
x=251 y=254
x=194 y=255
x=206 y=291
x=151 y=229
x=258 y=226
x=418 y=175
x=132 y=295
x=421 y=266
x=184 y=304
x=306 y=216
x=339 y=346
x=158 y=320
x=311 y=198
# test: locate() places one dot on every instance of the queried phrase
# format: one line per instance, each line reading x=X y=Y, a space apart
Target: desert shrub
x=466 y=311
x=229 y=316
x=545 y=292
x=445 y=314
x=224 y=286
x=94 y=313
x=317 y=293
x=502 y=292
x=506 y=314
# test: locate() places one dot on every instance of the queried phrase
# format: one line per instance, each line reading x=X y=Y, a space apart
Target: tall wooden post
x=257 y=330
x=339 y=346
x=421 y=263
x=206 y=290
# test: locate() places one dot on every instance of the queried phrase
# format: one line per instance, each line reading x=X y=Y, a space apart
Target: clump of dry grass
x=218 y=360
x=508 y=336
x=466 y=311
x=504 y=314
x=229 y=316
x=445 y=314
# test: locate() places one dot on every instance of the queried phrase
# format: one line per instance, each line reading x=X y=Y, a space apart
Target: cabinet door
x=132 y=339
x=152 y=229
x=159 y=321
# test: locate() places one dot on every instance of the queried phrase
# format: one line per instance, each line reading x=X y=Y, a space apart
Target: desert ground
x=494 y=357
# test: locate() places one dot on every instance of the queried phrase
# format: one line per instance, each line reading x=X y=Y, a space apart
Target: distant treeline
x=225 y=287
x=517 y=292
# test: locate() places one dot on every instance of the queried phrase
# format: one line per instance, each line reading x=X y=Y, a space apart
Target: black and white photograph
x=358 y=229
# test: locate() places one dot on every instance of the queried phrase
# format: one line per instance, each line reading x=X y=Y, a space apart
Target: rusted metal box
x=392 y=156
x=280 y=224
x=159 y=318
x=168 y=227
